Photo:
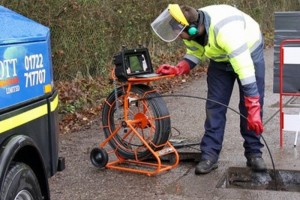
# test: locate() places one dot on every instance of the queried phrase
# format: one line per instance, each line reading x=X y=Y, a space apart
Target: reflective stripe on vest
x=225 y=21
x=194 y=51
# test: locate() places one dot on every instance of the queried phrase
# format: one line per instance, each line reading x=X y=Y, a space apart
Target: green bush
x=86 y=34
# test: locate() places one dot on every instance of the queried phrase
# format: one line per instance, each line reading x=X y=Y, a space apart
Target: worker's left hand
x=254 y=118
x=166 y=69
x=182 y=67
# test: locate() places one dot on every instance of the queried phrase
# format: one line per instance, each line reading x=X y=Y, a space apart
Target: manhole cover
x=245 y=178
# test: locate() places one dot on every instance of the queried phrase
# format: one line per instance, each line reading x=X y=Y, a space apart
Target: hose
x=267 y=121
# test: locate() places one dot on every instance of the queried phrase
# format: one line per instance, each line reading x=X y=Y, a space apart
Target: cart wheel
x=99 y=157
x=145 y=105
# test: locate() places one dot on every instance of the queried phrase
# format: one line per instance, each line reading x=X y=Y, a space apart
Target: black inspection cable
x=206 y=99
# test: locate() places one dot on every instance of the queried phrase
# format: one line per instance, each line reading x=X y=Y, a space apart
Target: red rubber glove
x=182 y=67
x=254 y=119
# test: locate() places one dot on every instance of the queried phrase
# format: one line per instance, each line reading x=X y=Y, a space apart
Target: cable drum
x=145 y=106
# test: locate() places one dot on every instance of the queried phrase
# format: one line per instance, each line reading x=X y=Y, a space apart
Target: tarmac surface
x=82 y=181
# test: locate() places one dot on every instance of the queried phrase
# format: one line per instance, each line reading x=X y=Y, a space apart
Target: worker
x=233 y=43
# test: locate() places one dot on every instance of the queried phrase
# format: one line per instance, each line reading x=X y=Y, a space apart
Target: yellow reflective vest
x=232 y=36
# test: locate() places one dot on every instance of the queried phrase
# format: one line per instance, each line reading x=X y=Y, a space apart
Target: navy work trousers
x=220 y=81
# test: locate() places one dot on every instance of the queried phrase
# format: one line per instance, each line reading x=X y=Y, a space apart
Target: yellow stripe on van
x=27 y=116
x=54 y=104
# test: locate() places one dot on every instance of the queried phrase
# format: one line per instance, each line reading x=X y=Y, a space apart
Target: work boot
x=205 y=166
x=256 y=163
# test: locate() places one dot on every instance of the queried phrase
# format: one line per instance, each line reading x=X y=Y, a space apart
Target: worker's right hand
x=181 y=68
x=254 y=118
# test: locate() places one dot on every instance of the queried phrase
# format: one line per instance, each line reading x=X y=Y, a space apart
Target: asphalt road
x=82 y=181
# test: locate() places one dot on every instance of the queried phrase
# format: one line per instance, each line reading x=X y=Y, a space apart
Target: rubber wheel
x=99 y=157
x=21 y=183
x=144 y=104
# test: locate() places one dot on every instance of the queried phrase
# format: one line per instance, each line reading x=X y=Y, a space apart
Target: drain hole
x=245 y=178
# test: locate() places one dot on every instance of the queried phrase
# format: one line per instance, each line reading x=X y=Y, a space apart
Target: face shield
x=170 y=23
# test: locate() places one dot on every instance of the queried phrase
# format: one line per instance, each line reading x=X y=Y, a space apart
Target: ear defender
x=193 y=30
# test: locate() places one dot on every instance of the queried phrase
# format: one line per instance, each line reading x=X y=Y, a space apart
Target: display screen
x=132 y=63
x=136 y=63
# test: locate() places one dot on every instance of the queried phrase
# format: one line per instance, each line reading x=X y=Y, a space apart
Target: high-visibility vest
x=232 y=36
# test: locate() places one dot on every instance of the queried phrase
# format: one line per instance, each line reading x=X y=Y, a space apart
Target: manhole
x=245 y=178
